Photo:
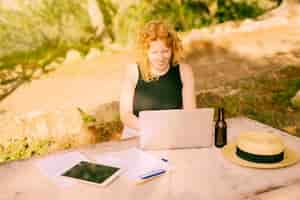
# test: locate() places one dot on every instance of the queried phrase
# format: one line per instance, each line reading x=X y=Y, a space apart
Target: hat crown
x=260 y=143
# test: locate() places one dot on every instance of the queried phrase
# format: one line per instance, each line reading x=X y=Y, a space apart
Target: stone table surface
x=199 y=173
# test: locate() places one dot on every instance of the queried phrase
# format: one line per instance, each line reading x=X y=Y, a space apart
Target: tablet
x=92 y=173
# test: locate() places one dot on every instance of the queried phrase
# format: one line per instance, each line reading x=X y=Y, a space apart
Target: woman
x=158 y=81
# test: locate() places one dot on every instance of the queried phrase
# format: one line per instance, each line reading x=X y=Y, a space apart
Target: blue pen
x=153 y=173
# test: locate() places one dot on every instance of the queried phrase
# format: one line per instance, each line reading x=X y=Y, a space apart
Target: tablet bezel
x=104 y=183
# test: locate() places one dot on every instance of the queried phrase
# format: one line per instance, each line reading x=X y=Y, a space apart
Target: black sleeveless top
x=161 y=94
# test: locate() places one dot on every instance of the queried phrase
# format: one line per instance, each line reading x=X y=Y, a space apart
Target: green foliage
x=284 y=96
x=232 y=10
x=109 y=11
x=87 y=118
x=30 y=34
x=41 y=32
x=23 y=148
x=127 y=22
x=38 y=34
x=183 y=16
x=104 y=130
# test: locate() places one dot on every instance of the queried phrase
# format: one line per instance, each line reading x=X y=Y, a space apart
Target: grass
x=265 y=98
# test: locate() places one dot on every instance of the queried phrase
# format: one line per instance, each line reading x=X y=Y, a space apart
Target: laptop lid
x=176 y=128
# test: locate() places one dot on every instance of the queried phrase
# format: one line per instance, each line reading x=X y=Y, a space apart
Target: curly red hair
x=157 y=30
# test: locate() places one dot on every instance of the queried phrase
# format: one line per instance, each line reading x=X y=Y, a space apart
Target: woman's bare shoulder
x=132 y=72
x=185 y=66
x=185 y=71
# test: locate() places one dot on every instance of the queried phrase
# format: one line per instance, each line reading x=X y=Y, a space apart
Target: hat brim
x=290 y=158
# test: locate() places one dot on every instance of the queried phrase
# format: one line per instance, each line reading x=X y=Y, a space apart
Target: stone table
x=199 y=173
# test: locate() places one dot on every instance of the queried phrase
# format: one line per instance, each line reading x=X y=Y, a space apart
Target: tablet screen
x=92 y=172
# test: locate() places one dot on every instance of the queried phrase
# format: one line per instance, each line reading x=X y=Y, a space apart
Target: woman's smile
x=159 y=55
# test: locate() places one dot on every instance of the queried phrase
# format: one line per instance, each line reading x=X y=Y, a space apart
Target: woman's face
x=159 y=55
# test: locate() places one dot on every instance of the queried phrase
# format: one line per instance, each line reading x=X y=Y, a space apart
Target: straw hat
x=260 y=150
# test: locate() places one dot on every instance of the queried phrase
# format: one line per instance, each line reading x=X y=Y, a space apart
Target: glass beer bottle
x=220 y=129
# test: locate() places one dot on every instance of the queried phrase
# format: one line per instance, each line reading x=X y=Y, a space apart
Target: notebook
x=129 y=133
x=138 y=165
x=176 y=128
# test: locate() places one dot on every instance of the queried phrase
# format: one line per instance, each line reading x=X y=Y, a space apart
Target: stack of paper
x=139 y=165
x=128 y=133
x=135 y=164
x=54 y=165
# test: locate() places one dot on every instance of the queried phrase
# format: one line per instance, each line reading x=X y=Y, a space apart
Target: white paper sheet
x=129 y=133
x=54 y=165
x=135 y=162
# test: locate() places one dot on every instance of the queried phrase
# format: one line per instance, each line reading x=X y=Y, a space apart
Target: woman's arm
x=188 y=86
x=126 y=97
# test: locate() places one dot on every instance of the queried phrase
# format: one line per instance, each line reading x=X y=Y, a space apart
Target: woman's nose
x=162 y=55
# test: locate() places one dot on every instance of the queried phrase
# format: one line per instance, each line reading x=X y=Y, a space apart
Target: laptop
x=176 y=128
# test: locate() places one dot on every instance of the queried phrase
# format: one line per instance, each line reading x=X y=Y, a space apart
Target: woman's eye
x=160 y=52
